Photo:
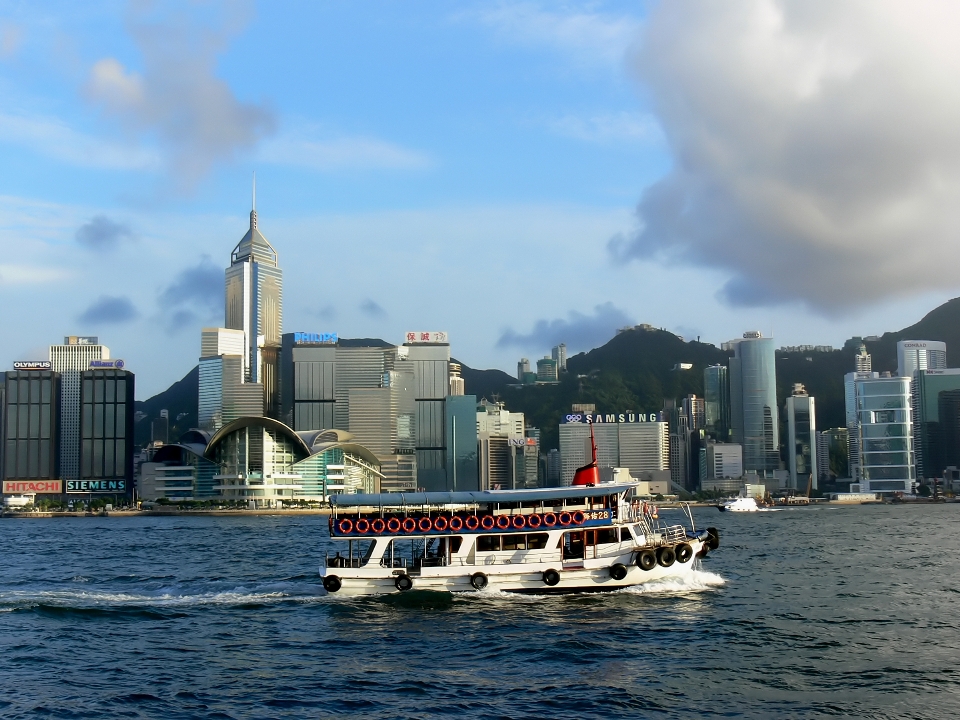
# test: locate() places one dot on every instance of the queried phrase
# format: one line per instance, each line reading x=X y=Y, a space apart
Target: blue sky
x=468 y=167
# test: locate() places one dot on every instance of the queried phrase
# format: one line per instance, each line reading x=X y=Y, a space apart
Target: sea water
x=808 y=612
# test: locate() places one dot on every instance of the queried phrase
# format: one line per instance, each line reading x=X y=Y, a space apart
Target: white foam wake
x=694 y=581
x=87 y=600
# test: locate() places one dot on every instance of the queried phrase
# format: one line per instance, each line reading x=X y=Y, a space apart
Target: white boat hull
x=592 y=576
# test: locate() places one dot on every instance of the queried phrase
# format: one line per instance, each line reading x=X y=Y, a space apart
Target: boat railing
x=338 y=561
x=674 y=534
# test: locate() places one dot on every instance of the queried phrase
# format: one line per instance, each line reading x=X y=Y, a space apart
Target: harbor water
x=804 y=612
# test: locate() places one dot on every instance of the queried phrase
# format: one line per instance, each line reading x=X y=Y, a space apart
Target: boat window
x=625 y=535
x=488 y=543
x=537 y=541
x=572 y=545
x=514 y=542
x=608 y=535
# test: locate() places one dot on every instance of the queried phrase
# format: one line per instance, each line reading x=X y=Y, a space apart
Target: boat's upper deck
x=480 y=498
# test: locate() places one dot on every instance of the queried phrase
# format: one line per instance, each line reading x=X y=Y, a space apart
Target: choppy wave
x=695 y=581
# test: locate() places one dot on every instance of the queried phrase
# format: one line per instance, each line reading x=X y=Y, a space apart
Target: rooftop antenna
x=253 y=210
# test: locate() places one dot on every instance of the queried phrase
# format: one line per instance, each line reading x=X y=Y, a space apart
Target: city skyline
x=537 y=137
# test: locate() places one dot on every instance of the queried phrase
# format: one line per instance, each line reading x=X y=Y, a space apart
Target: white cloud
x=816 y=151
x=303 y=148
x=11 y=37
x=589 y=38
x=53 y=138
x=177 y=100
x=19 y=274
x=609 y=127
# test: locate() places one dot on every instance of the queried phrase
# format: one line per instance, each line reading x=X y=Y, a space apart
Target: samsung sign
x=600 y=419
x=302 y=338
x=106 y=365
x=31 y=365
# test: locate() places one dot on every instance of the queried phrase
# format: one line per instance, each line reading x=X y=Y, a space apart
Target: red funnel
x=589 y=474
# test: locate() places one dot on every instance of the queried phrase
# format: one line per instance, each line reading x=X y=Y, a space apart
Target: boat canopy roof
x=479 y=496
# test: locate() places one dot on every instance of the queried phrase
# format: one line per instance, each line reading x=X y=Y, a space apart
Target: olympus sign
x=31 y=365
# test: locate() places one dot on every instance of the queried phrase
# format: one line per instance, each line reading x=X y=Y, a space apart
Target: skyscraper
x=30 y=422
x=753 y=403
x=937 y=421
x=862 y=360
x=883 y=425
x=559 y=353
x=71 y=360
x=716 y=386
x=523 y=367
x=913 y=355
x=224 y=395
x=801 y=442
x=254 y=302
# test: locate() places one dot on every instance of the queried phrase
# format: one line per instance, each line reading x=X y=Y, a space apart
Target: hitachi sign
x=32 y=486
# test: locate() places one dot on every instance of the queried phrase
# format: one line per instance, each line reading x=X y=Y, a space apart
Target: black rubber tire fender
x=646 y=559
x=403 y=583
x=713 y=539
x=551 y=577
x=479 y=581
x=684 y=552
x=618 y=571
x=331 y=583
x=666 y=556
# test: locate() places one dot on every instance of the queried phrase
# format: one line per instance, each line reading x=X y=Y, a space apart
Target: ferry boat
x=587 y=537
x=740 y=504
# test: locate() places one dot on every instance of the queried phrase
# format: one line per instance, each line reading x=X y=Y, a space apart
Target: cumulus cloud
x=816 y=151
x=372 y=309
x=107 y=310
x=578 y=331
x=103 y=234
x=177 y=99
x=199 y=285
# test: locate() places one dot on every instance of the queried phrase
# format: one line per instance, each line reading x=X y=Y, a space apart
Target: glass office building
x=31 y=419
x=106 y=433
x=801 y=411
x=716 y=394
x=755 y=422
x=937 y=421
x=885 y=430
x=462 y=443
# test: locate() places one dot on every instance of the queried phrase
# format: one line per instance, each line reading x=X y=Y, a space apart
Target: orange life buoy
x=503 y=521
x=425 y=524
x=578 y=517
x=519 y=522
x=378 y=525
x=440 y=524
x=534 y=521
x=409 y=525
x=363 y=526
x=345 y=526
x=472 y=522
x=393 y=525
x=487 y=522
x=565 y=518
x=549 y=519
x=456 y=523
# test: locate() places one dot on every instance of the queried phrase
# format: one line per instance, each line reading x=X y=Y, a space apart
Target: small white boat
x=740 y=504
x=574 y=539
x=19 y=500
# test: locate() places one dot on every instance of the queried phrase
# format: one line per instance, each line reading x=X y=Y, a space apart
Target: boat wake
x=696 y=581
x=81 y=601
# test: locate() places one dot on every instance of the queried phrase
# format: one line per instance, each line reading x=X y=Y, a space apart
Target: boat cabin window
x=625 y=535
x=356 y=554
x=577 y=543
x=606 y=535
x=513 y=541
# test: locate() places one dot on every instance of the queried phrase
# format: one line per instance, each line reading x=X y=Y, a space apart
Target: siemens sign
x=598 y=419
x=302 y=338
x=96 y=486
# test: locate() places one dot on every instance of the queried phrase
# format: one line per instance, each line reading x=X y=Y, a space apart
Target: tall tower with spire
x=254 y=304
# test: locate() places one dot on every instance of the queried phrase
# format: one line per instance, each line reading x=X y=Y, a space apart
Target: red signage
x=32 y=486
